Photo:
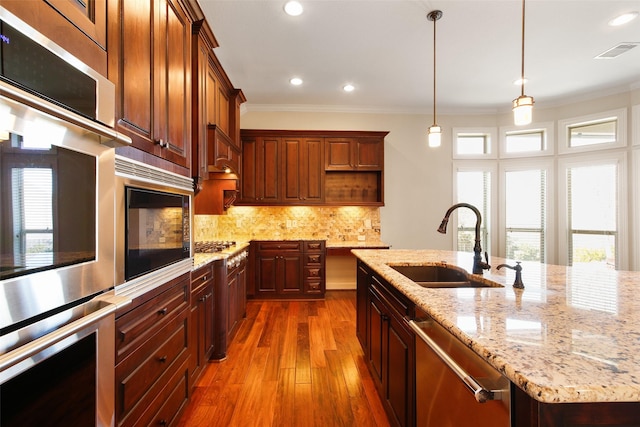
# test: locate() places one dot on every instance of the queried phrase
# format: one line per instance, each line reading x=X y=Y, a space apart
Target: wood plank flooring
x=292 y=363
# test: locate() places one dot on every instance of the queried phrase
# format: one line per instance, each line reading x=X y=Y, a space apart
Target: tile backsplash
x=244 y=223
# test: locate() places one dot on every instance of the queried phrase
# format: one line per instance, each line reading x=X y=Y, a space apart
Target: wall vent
x=617 y=50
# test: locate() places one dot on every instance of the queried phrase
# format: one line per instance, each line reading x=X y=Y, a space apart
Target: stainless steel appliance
x=57 y=222
x=454 y=386
x=153 y=224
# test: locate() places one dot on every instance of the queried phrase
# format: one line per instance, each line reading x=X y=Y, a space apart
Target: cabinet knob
x=163 y=311
x=162 y=422
x=162 y=359
x=385 y=318
x=201 y=299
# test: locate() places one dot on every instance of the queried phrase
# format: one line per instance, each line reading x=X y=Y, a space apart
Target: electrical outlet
x=361 y=238
x=288 y=223
x=294 y=223
x=367 y=223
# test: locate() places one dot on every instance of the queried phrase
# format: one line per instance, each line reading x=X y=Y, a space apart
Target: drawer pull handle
x=204 y=278
x=481 y=394
x=162 y=422
x=162 y=359
x=163 y=311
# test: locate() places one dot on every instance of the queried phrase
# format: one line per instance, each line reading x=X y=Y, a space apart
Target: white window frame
x=523 y=165
x=490 y=167
x=490 y=132
x=619 y=158
x=635 y=129
x=547 y=129
x=620 y=115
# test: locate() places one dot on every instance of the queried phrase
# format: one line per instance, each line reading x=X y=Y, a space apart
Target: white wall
x=418 y=180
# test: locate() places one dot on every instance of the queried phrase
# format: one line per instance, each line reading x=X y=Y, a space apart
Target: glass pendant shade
x=523 y=110
x=435 y=136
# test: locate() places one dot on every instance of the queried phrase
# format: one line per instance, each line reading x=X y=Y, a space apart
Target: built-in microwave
x=153 y=220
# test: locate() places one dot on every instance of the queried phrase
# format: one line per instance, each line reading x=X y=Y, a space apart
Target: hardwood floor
x=292 y=363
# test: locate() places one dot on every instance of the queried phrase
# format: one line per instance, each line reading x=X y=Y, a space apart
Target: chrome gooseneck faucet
x=478 y=264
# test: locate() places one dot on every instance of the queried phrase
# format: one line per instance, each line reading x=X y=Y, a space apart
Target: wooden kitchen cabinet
x=216 y=115
x=281 y=167
x=389 y=345
x=287 y=269
x=152 y=356
x=202 y=320
x=80 y=28
x=236 y=294
x=260 y=170
x=358 y=153
x=150 y=62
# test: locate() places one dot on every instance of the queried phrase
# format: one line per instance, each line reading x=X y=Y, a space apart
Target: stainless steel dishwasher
x=454 y=386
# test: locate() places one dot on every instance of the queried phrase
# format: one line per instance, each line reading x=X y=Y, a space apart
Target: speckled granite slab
x=572 y=335
x=202 y=259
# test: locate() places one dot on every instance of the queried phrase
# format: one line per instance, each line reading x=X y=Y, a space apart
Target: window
x=532 y=142
x=594 y=132
x=474 y=143
x=525 y=207
x=473 y=187
x=594 y=216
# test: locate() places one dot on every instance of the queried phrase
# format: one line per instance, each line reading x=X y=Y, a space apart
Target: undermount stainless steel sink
x=439 y=276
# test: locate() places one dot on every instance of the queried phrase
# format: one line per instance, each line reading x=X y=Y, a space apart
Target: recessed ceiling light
x=296 y=81
x=623 y=19
x=293 y=8
x=348 y=88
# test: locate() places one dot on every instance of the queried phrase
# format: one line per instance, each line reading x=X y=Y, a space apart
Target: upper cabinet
x=216 y=116
x=282 y=167
x=79 y=27
x=150 y=62
x=354 y=154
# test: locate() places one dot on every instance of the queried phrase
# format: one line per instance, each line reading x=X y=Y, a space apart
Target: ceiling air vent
x=617 y=50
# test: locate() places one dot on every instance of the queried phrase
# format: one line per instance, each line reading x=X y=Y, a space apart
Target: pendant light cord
x=522 y=70
x=434 y=71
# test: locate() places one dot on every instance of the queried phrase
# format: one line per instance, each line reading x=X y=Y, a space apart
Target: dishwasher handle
x=481 y=394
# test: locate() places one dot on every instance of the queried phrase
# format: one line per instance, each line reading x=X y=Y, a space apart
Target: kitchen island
x=571 y=336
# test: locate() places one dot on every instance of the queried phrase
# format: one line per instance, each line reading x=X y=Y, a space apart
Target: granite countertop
x=355 y=244
x=202 y=259
x=572 y=335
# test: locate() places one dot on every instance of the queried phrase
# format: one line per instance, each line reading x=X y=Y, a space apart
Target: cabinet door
x=268 y=168
x=311 y=171
x=232 y=304
x=289 y=275
x=135 y=68
x=339 y=154
x=361 y=305
x=291 y=170
x=174 y=80
x=376 y=338
x=266 y=272
x=399 y=374
x=369 y=153
x=279 y=273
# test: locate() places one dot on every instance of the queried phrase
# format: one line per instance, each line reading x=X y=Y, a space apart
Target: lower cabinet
x=236 y=294
x=288 y=269
x=391 y=354
x=202 y=320
x=152 y=356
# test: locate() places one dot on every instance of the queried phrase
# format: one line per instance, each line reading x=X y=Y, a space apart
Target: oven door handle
x=24 y=352
x=481 y=394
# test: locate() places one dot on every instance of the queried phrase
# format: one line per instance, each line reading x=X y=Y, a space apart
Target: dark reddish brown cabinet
x=287 y=269
x=298 y=167
x=150 y=62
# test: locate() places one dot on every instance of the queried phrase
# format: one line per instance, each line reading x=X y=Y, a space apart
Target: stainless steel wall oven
x=57 y=225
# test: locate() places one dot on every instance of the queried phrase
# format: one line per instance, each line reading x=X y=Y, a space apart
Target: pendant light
x=435 y=132
x=522 y=105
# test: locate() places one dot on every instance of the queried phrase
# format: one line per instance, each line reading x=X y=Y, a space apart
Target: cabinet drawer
x=312 y=259
x=399 y=304
x=312 y=286
x=314 y=246
x=138 y=372
x=282 y=246
x=313 y=273
x=201 y=277
x=139 y=324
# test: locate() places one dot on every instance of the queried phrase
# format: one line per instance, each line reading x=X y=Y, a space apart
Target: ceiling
x=385 y=49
